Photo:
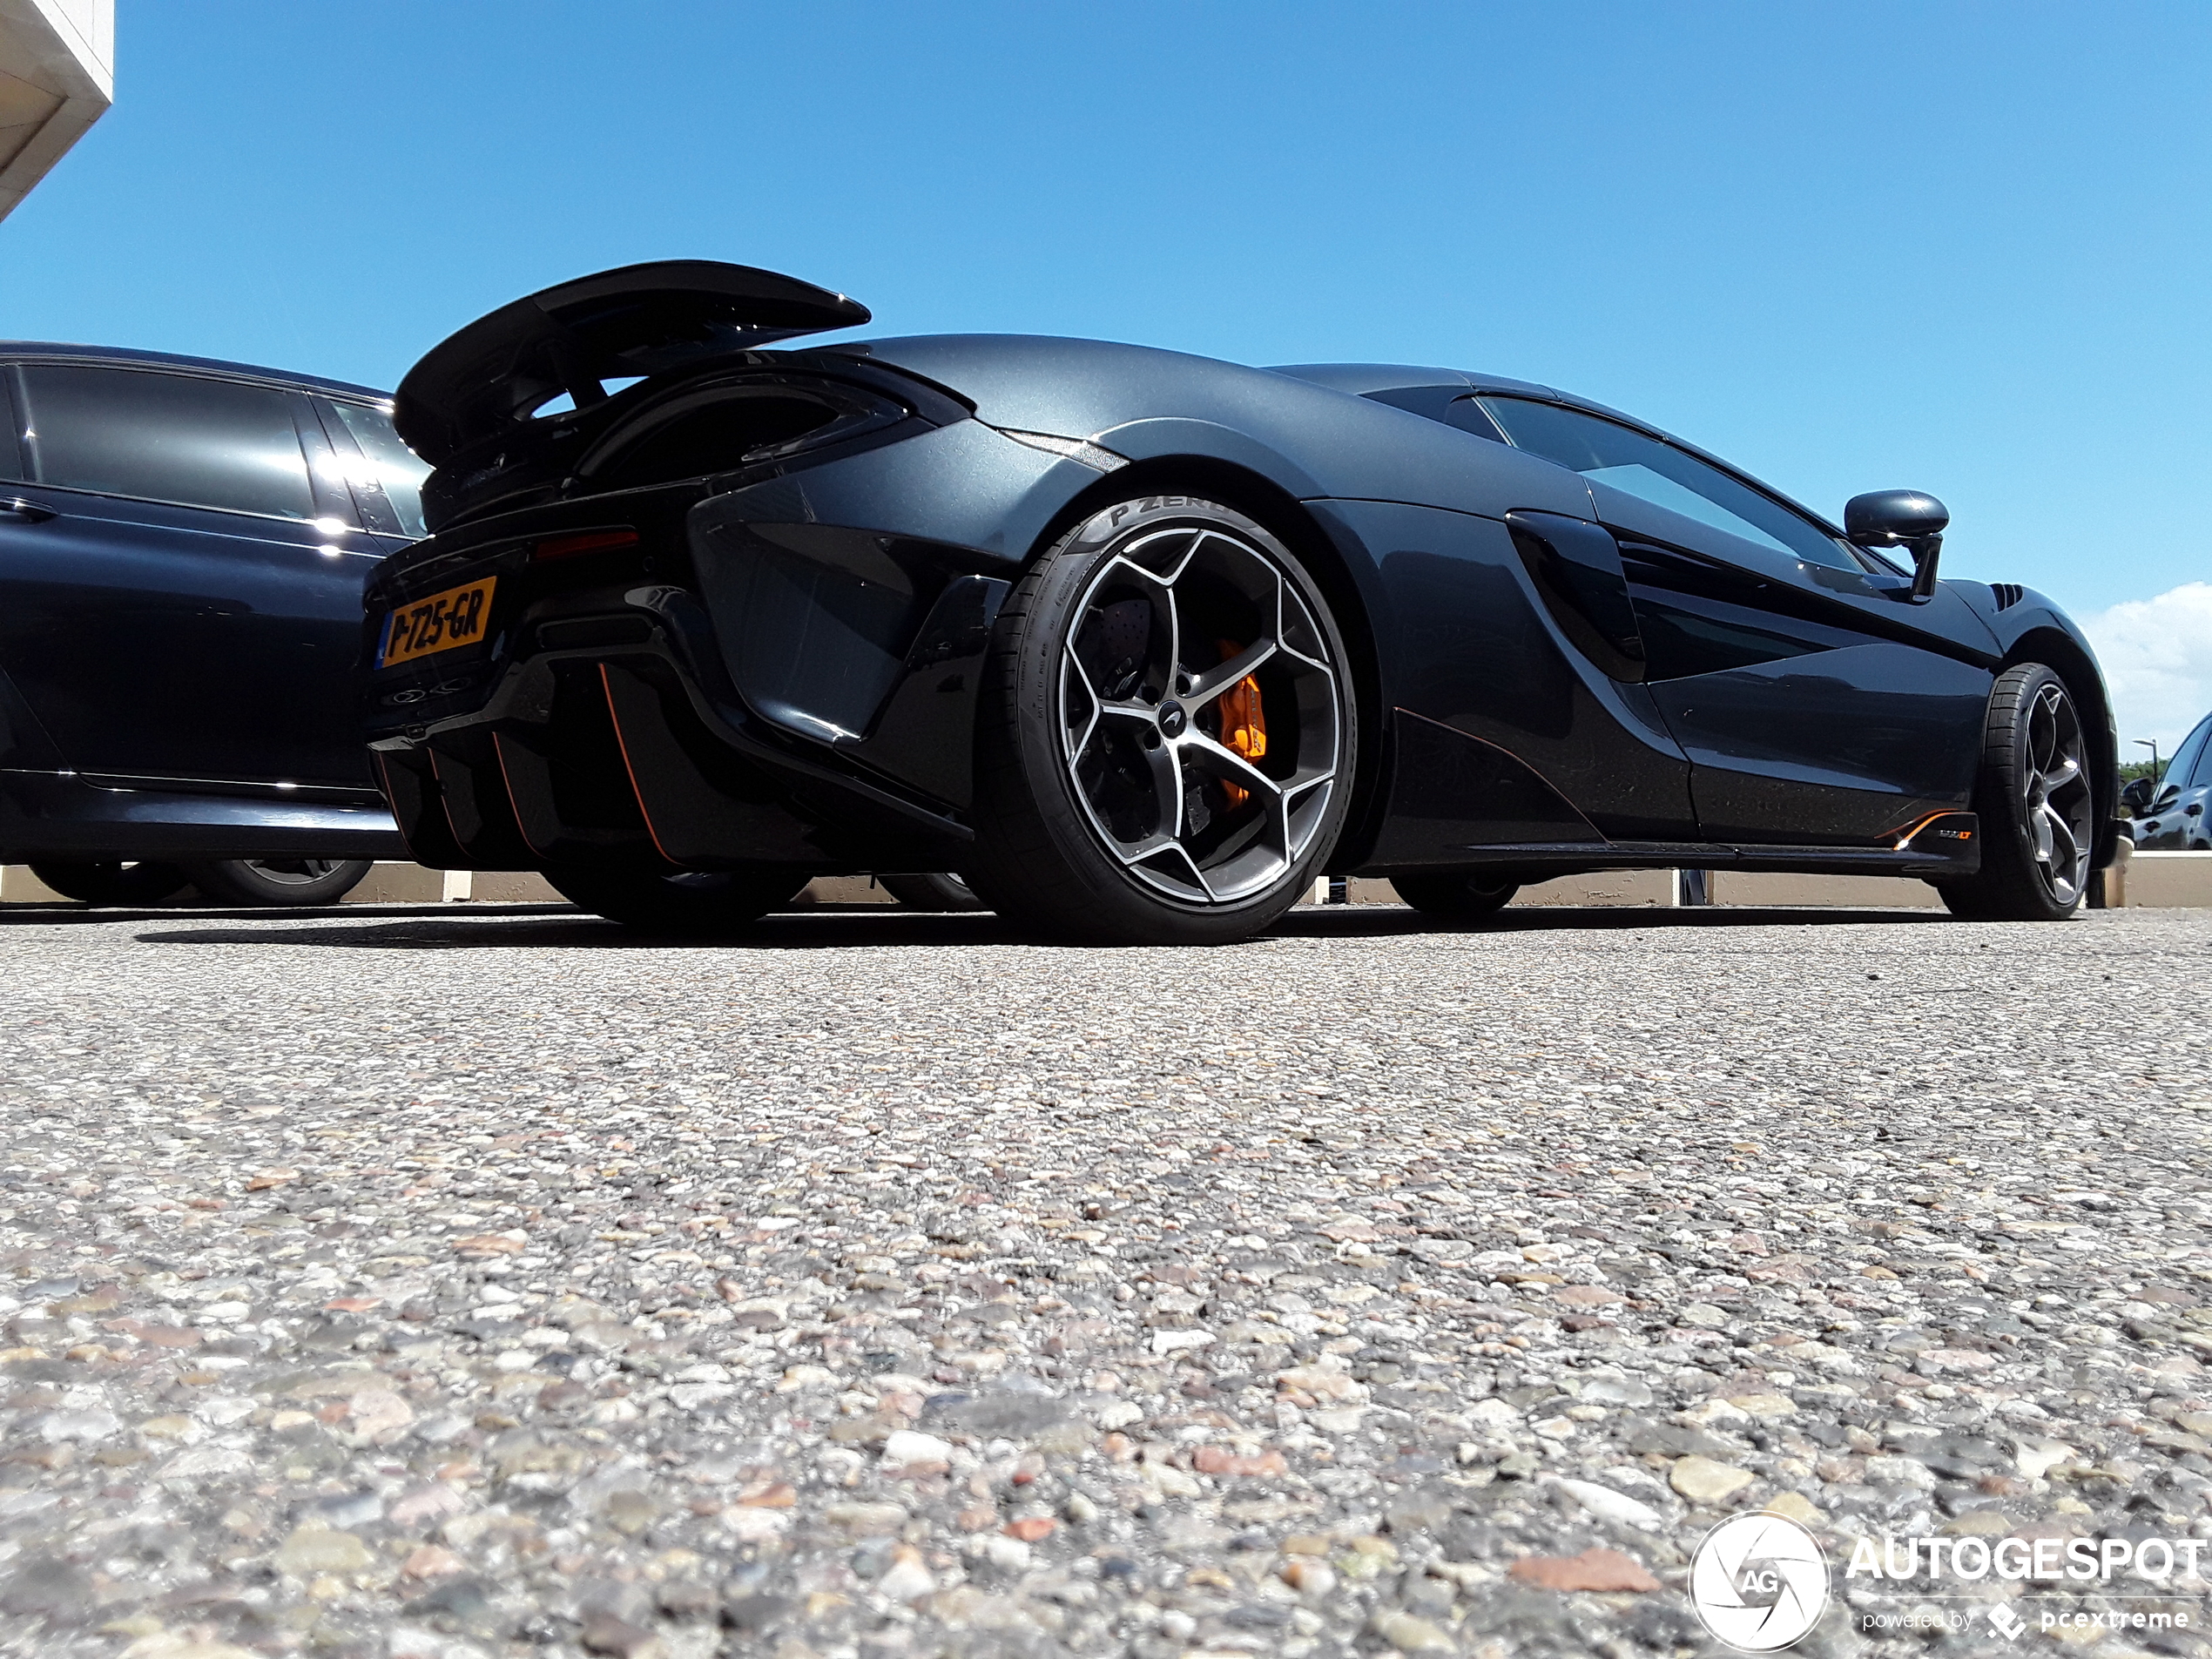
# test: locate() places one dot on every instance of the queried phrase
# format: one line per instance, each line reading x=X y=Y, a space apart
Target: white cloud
x=2157 y=657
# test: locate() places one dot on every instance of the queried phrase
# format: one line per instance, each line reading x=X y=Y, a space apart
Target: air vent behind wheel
x=2008 y=593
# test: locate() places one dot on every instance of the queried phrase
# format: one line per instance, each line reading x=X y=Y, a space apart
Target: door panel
x=154 y=640
x=1829 y=747
x=1816 y=705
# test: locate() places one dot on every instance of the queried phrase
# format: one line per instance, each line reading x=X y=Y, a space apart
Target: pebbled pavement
x=450 y=1284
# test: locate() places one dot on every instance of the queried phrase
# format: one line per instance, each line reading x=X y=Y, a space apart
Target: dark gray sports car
x=1139 y=642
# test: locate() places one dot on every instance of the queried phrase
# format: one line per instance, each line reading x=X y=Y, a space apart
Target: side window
x=385 y=465
x=1451 y=405
x=2192 y=762
x=1665 y=477
x=167 y=437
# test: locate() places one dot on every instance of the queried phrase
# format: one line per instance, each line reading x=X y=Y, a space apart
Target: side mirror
x=1903 y=518
x=2136 y=796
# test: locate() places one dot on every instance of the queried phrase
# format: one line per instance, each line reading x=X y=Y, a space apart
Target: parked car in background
x=1139 y=642
x=2174 y=814
x=183 y=546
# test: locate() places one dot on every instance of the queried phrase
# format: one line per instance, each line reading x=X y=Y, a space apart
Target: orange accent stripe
x=499 y=750
x=614 y=716
x=1906 y=834
x=443 y=805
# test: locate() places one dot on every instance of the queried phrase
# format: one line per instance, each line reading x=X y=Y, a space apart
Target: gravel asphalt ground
x=418 y=1285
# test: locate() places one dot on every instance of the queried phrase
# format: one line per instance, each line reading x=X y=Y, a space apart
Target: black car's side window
x=2192 y=762
x=1659 y=473
x=155 y=436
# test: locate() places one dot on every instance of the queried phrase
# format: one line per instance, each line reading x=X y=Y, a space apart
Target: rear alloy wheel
x=278 y=881
x=2036 y=805
x=939 y=890
x=1455 y=897
x=1166 y=741
x=689 y=904
x=113 y=881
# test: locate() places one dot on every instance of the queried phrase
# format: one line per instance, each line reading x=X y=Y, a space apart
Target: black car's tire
x=113 y=881
x=938 y=890
x=691 y=904
x=1455 y=897
x=277 y=882
x=1166 y=735
x=2037 y=804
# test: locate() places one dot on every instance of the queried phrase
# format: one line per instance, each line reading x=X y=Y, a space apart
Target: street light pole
x=2150 y=744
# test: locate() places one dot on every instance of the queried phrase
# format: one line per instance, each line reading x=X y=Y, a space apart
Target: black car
x=1141 y=642
x=2171 y=815
x=183 y=545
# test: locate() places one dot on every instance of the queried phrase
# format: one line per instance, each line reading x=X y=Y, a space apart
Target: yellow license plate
x=438 y=623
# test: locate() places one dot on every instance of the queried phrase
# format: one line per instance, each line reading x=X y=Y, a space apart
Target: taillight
x=570 y=547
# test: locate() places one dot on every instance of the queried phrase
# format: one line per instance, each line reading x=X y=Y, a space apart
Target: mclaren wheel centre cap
x=1172 y=719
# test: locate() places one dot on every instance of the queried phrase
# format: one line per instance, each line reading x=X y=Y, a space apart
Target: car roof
x=21 y=349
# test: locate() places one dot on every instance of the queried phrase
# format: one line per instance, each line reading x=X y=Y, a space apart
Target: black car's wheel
x=117 y=881
x=1462 y=897
x=2036 y=804
x=688 y=903
x=939 y=890
x=1165 y=744
x=278 y=881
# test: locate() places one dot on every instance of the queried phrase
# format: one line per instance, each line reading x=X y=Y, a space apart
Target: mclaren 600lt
x=1140 y=643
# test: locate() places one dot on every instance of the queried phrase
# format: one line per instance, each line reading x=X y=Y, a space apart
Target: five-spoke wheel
x=2037 y=804
x=1168 y=742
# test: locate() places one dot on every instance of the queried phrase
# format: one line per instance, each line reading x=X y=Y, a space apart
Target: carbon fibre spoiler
x=639 y=320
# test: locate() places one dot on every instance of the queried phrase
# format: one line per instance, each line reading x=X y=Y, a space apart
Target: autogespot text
x=2156 y=1560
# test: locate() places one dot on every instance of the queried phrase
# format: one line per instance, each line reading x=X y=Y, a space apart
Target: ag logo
x=1759 y=1582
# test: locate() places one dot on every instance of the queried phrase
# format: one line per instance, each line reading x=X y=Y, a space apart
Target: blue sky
x=1961 y=248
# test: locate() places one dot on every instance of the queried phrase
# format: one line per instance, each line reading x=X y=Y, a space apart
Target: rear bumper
x=640 y=744
x=59 y=814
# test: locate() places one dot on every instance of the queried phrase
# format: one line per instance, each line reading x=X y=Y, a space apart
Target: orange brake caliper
x=1243 y=723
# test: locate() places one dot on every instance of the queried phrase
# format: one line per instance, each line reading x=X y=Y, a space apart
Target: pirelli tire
x=2036 y=798
x=1166 y=733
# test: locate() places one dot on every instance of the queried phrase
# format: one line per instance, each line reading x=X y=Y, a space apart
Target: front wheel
x=113 y=881
x=278 y=881
x=1455 y=897
x=684 y=903
x=1165 y=744
x=2036 y=802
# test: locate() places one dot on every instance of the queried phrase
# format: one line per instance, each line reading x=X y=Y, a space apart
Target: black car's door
x=180 y=586
x=1817 y=703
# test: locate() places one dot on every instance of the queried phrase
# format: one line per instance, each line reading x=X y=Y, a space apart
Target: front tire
x=1166 y=740
x=278 y=881
x=2037 y=804
x=688 y=904
x=113 y=881
x=1460 y=897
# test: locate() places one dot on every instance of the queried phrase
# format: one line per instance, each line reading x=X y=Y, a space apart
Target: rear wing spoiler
x=640 y=319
